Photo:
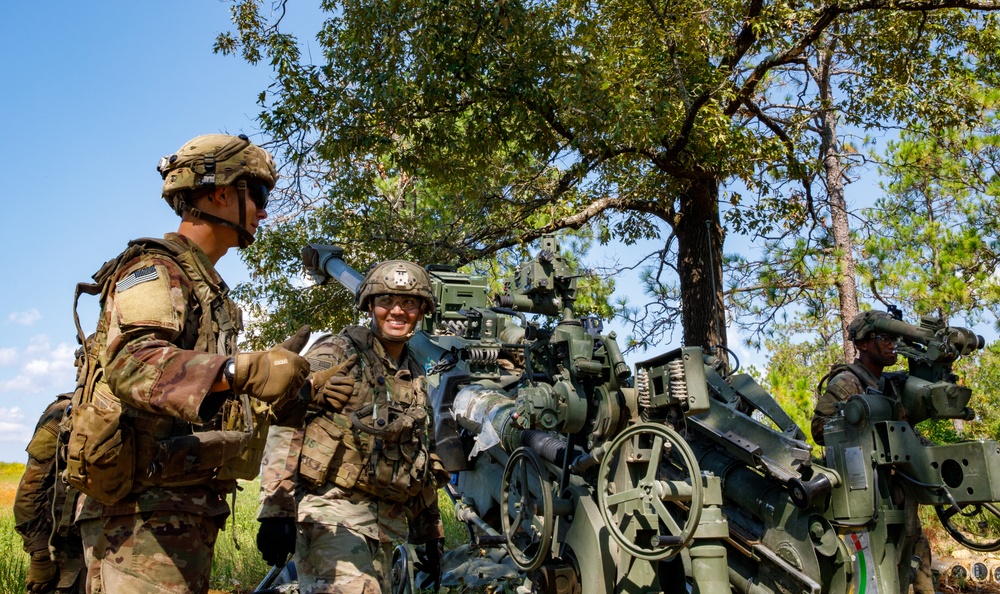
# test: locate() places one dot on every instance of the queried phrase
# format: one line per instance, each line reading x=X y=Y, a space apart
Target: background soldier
x=876 y=351
x=43 y=510
x=365 y=471
x=165 y=352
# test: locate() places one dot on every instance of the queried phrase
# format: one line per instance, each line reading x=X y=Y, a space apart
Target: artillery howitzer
x=693 y=476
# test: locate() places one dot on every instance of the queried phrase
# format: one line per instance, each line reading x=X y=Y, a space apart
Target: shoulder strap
x=371 y=366
x=416 y=368
x=836 y=369
x=102 y=281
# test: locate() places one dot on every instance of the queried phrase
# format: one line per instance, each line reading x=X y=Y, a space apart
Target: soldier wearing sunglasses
x=165 y=355
x=876 y=351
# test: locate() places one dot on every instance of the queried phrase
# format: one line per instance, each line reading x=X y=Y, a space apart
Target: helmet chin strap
x=245 y=236
x=377 y=331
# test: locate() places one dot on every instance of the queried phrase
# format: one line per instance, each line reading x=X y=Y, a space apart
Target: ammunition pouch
x=100 y=451
x=251 y=417
x=329 y=452
x=395 y=446
x=189 y=459
x=391 y=463
x=233 y=451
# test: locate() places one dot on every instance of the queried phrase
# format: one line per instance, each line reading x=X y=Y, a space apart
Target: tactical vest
x=836 y=370
x=381 y=449
x=105 y=438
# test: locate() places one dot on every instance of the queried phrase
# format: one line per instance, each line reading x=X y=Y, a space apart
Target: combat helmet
x=216 y=160
x=862 y=327
x=396 y=277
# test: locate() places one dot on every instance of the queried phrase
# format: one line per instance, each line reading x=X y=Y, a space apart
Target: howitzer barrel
x=325 y=263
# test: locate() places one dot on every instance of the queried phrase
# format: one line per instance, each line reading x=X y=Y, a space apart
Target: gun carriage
x=679 y=474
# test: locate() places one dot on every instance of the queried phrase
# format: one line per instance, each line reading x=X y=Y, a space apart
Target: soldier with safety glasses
x=363 y=463
x=876 y=352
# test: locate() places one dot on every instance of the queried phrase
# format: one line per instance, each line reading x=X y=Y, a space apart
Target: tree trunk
x=699 y=264
x=847 y=289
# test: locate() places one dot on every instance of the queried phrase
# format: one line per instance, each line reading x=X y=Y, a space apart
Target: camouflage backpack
x=103 y=450
x=100 y=445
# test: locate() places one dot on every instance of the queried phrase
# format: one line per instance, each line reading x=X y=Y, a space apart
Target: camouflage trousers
x=336 y=559
x=69 y=560
x=149 y=553
x=915 y=551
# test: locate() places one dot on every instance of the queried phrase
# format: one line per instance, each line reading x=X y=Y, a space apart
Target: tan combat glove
x=273 y=376
x=291 y=411
x=333 y=387
x=42 y=572
x=296 y=342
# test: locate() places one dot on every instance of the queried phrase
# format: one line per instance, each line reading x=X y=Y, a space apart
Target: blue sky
x=95 y=93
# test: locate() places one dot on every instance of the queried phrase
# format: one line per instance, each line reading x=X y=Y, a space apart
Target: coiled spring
x=642 y=389
x=454 y=327
x=678 y=385
x=483 y=355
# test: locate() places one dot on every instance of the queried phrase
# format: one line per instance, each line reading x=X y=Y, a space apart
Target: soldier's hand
x=333 y=387
x=276 y=539
x=297 y=341
x=42 y=572
x=272 y=376
x=429 y=562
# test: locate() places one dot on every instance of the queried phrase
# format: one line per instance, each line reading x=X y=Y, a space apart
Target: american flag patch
x=139 y=276
x=317 y=365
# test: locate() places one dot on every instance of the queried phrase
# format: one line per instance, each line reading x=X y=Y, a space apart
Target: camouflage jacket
x=42 y=501
x=160 y=356
x=418 y=519
x=843 y=382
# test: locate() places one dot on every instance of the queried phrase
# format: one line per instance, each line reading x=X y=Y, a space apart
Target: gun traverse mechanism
x=683 y=474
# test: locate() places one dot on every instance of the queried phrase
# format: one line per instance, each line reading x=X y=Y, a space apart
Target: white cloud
x=37 y=344
x=24 y=318
x=8 y=356
x=37 y=367
x=14 y=428
x=43 y=367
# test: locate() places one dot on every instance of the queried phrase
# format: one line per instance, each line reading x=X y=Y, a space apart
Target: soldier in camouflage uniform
x=43 y=511
x=875 y=353
x=165 y=353
x=363 y=465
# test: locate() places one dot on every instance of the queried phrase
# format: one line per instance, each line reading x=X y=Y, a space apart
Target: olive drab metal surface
x=681 y=473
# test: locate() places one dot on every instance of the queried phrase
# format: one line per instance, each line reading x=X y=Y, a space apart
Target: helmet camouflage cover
x=214 y=160
x=396 y=277
x=862 y=327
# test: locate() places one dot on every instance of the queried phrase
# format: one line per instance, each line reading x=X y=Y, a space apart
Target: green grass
x=13 y=559
x=237 y=566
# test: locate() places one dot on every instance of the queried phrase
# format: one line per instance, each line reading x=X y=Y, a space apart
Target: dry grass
x=10 y=476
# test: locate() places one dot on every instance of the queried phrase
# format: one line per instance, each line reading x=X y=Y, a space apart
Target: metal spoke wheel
x=403 y=572
x=975 y=526
x=526 y=509
x=634 y=488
